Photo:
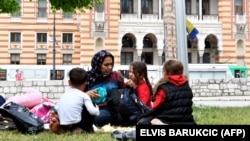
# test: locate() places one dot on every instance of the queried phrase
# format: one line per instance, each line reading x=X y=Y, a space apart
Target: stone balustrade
x=201 y=87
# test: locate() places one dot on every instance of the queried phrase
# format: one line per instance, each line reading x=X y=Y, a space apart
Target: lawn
x=203 y=115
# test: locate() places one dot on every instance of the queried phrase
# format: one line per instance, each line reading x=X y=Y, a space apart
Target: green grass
x=219 y=115
x=203 y=115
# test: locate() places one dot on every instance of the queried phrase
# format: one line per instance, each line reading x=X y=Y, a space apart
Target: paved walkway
x=225 y=101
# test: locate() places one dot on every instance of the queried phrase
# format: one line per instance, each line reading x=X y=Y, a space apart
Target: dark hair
x=98 y=59
x=140 y=68
x=78 y=76
x=173 y=67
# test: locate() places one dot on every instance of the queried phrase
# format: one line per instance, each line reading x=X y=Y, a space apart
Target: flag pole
x=54 y=48
x=181 y=34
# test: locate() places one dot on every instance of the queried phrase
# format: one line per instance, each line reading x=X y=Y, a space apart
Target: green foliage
x=9 y=6
x=72 y=5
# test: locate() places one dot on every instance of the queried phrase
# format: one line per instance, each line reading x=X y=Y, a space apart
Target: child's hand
x=97 y=107
x=130 y=83
x=93 y=93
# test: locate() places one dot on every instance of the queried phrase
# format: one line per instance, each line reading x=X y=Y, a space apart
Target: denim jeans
x=105 y=117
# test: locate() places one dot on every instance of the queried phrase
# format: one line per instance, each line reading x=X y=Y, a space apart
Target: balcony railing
x=144 y=17
x=210 y=18
x=149 y=17
x=206 y=18
x=129 y=17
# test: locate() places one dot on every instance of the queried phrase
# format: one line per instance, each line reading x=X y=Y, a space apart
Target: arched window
x=147 y=42
x=127 y=42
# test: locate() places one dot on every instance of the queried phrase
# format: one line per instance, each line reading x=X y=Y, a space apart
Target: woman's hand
x=93 y=93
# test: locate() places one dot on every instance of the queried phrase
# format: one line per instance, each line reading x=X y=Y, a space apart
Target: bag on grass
x=2 y=100
x=25 y=121
x=126 y=106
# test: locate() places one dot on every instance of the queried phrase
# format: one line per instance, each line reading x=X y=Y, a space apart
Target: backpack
x=126 y=106
x=2 y=100
x=25 y=121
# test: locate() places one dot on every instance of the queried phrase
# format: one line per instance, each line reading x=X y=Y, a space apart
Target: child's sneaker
x=121 y=136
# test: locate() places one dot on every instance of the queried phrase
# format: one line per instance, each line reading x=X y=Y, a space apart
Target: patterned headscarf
x=96 y=63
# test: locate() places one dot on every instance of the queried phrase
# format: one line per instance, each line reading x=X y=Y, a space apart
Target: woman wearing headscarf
x=102 y=79
x=102 y=76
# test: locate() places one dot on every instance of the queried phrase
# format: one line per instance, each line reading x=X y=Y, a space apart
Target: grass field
x=203 y=115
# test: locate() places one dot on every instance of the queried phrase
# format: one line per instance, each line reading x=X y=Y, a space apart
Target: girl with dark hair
x=138 y=79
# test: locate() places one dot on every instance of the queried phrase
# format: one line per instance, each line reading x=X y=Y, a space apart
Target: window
x=67 y=59
x=205 y=7
x=206 y=58
x=147 y=42
x=189 y=57
x=41 y=59
x=68 y=15
x=127 y=42
x=14 y=58
x=41 y=37
x=18 y=12
x=126 y=58
x=100 y=8
x=147 y=7
x=147 y=57
x=127 y=6
x=3 y=74
x=42 y=8
x=15 y=37
x=67 y=37
x=59 y=74
x=238 y=7
x=188 y=7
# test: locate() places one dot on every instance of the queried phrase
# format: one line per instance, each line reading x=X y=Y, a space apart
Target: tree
x=72 y=5
x=11 y=6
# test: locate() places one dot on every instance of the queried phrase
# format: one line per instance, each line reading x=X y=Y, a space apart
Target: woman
x=100 y=75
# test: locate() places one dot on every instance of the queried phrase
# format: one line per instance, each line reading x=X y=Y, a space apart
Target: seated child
x=75 y=109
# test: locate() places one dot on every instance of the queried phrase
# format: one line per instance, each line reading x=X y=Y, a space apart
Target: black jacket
x=177 y=107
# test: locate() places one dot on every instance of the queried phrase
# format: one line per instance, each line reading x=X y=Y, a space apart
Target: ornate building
x=131 y=29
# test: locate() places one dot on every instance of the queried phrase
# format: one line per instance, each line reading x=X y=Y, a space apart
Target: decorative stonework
x=170 y=29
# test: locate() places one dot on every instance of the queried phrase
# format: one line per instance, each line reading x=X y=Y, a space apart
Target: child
x=130 y=103
x=172 y=101
x=75 y=108
x=19 y=75
x=138 y=79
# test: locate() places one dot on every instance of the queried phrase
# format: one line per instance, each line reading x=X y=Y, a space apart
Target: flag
x=192 y=31
x=53 y=39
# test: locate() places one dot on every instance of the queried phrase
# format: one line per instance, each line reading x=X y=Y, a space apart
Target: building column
x=160 y=5
x=200 y=10
x=160 y=47
x=120 y=42
x=201 y=47
x=139 y=47
x=139 y=9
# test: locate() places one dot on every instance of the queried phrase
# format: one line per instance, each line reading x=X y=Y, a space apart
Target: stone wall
x=201 y=87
